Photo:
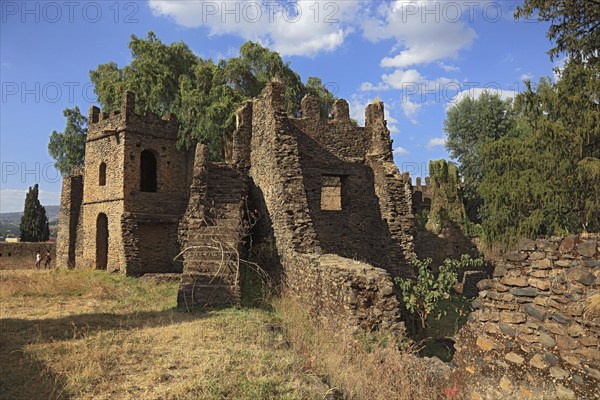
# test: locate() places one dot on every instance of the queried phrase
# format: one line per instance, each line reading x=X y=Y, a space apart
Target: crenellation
x=101 y=123
x=341 y=111
x=128 y=105
x=421 y=195
x=93 y=115
x=310 y=108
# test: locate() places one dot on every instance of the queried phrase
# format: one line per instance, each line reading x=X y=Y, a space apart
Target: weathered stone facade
x=122 y=212
x=338 y=209
x=532 y=332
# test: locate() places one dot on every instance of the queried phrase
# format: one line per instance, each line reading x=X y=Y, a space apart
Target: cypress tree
x=34 y=223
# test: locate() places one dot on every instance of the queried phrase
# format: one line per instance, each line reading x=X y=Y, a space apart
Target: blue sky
x=417 y=56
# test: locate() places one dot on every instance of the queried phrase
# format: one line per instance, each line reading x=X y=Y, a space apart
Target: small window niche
x=331 y=193
x=148 y=175
x=102 y=174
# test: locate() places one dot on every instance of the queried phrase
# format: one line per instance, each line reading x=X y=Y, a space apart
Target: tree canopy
x=535 y=164
x=469 y=124
x=575 y=26
x=203 y=94
x=68 y=147
x=34 y=223
x=544 y=179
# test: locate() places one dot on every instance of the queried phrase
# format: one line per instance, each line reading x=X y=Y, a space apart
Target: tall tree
x=575 y=26
x=34 y=223
x=68 y=147
x=469 y=124
x=203 y=95
x=545 y=178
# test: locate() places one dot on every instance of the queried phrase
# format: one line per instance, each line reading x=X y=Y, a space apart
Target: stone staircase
x=213 y=240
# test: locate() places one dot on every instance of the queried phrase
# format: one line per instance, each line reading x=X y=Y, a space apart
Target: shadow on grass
x=24 y=377
x=441 y=332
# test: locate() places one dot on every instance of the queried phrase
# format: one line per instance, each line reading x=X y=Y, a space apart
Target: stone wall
x=22 y=255
x=69 y=246
x=354 y=293
x=336 y=149
x=212 y=234
x=288 y=159
x=532 y=331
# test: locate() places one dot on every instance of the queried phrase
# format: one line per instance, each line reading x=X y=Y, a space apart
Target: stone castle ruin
x=321 y=204
x=325 y=192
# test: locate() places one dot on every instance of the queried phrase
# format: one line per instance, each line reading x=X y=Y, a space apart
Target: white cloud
x=13 y=200
x=434 y=142
x=400 y=78
x=400 y=151
x=292 y=28
x=415 y=89
x=411 y=109
x=474 y=93
x=526 y=77
x=391 y=121
x=409 y=80
x=508 y=58
x=424 y=36
x=358 y=104
x=448 y=67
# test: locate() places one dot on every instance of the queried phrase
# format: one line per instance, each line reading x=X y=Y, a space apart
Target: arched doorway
x=101 y=241
x=148 y=174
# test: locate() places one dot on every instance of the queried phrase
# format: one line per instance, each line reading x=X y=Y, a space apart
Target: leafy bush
x=423 y=295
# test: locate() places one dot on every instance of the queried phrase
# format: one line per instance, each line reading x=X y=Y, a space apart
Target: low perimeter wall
x=535 y=333
x=22 y=255
x=346 y=293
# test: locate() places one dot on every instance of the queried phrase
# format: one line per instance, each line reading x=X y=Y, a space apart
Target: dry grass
x=592 y=306
x=89 y=334
x=368 y=367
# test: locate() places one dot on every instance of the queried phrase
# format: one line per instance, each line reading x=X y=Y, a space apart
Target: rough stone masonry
x=534 y=334
x=335 y=206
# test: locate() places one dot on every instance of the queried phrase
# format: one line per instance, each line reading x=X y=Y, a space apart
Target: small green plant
x=466 y=263
x=423 y=295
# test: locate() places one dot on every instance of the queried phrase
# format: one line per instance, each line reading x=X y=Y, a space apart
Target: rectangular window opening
x=331 y=192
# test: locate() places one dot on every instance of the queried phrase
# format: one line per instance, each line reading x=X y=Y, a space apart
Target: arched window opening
x=102 y=174
x=148 y=171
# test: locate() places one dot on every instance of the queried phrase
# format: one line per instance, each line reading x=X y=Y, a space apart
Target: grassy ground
x=370 y=367
x=89 y=334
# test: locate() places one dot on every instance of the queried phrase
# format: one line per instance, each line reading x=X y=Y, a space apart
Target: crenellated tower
x=135 y=188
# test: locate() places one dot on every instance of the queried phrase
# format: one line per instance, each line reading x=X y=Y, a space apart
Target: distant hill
x=9 y=222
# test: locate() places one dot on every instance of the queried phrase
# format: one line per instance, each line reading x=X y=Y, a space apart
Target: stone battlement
x=101 y=124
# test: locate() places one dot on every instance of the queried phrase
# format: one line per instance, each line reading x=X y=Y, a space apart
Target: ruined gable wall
x=276 y=171
x=337 y=147
x=392 y=188
x=532 y=320
x=338 y=289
